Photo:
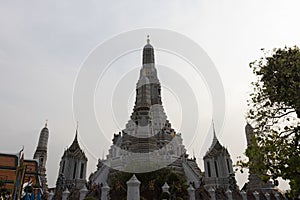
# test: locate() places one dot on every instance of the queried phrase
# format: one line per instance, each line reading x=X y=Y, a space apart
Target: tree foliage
x=274 y=114
x=151 y=184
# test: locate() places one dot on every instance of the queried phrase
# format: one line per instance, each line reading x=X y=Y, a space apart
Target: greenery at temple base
x=274 y=114
x=151 y=184
x=94 y=191
x=89 y=198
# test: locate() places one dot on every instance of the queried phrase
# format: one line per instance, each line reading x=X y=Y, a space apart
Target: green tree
x=89 y=198
x=275 y=116
x=151 y=183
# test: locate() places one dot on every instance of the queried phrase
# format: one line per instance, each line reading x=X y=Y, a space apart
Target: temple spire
x=148 y=101
x=215 y=142
x=76 y=131
x=73 y=159
x=41 y=155
x=148 y=53
x=215 y=139
x=75 y=143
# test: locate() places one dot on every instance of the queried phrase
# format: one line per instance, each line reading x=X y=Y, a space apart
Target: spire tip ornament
x=214 y=131
x=148 y=39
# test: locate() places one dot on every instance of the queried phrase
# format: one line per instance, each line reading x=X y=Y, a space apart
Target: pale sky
x=43 y=44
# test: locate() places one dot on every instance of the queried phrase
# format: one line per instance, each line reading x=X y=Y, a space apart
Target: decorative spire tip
x=46 y=123
x=77 y=125
x=148 y=39
x=214 y=130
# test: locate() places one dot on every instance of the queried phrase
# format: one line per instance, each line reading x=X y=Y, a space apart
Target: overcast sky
x=42 y=46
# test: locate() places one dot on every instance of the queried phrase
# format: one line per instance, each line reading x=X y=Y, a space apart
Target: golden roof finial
x=148 y=39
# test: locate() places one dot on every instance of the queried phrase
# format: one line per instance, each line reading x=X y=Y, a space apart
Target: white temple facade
x=148 y=142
